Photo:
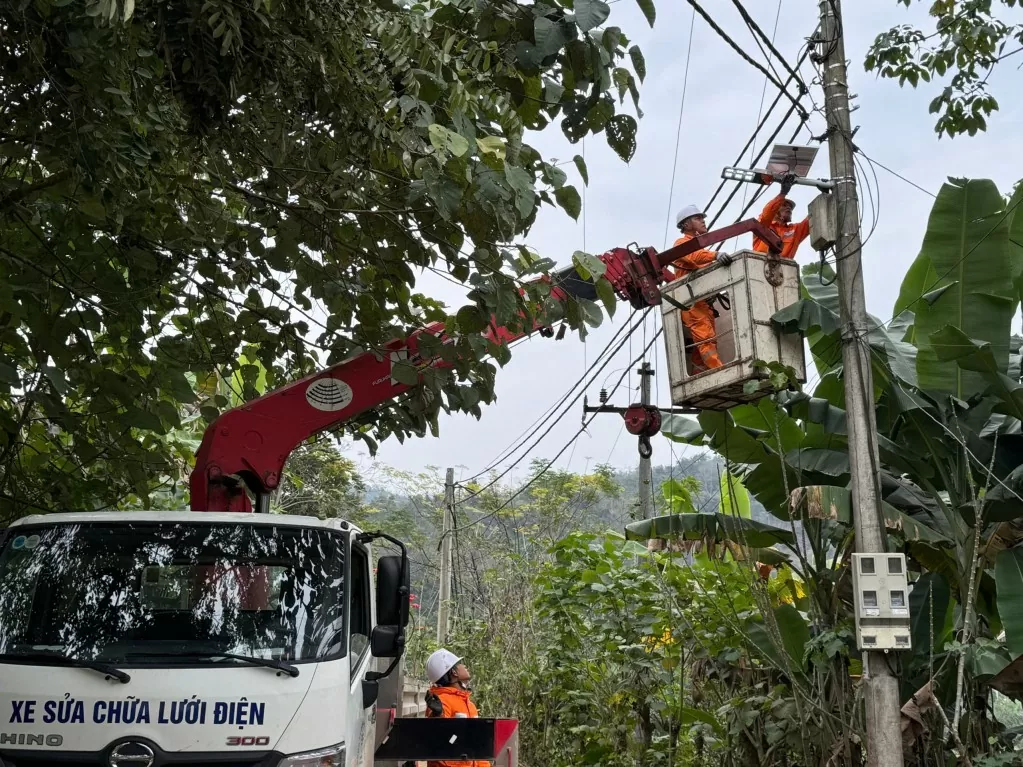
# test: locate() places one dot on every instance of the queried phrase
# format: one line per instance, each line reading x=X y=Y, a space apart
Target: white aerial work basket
x=744 y=296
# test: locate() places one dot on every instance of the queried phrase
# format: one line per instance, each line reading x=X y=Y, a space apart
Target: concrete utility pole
x=444 y=600
x=884 y=736
x=646 y=480
x=643 y=421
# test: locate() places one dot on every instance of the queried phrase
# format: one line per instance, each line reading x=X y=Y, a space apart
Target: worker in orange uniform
x=777 y=215
x=692 y=222
x=449 y=696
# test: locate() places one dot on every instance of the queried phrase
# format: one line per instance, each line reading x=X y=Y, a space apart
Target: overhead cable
x=546 y=416
x=755 y=28
x=897 y=175
x=678 y=133
x=536 y=477
x=746 y=57
x=763 y=91
x=760 y=126
x=575 y=399
x=763 y=149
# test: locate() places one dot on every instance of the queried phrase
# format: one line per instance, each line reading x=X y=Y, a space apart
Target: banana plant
x=948 y=401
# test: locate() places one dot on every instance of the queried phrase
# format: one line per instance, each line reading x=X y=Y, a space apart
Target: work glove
x=786 y=183
x=723 y=258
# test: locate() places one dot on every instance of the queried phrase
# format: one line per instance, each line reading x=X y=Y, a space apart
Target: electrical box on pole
x=823 y=222
x=743 y=297
x=881 y=596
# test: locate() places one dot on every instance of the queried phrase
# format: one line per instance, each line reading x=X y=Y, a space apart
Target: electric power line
x=575 y=399
x=536 y=477
x=545 y=417
x=758 y=32
x=747 y=58
x=678 y=134
x=897 y=175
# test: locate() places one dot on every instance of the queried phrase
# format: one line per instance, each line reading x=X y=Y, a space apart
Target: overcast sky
x=630 y=203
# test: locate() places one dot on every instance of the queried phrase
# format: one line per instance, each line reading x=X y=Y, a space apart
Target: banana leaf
x=1009 y=681
x=1009 y=580
x=835 y=503
x=716 y=528
x=682 y=428
x=795 y=633
x=987 y=659
x=951 y=344
x=1002 y=503
x=966 y=251
x=816 y=317
x=734 y=498
x=1016 y=235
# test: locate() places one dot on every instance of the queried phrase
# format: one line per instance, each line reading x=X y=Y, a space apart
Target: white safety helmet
x=688 y=212
x=440 y=663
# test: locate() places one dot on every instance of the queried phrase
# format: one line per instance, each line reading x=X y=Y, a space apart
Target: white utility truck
x=156 y=638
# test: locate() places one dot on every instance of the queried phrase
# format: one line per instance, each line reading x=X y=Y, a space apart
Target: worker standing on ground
x=777 y=215
x=449 y=695
x=692 y=222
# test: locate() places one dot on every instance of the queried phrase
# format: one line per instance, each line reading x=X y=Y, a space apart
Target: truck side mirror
x=394 y=586
x=387 y=641
x=393 y=590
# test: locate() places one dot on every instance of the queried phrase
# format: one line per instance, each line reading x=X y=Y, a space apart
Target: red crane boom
x=249 y=445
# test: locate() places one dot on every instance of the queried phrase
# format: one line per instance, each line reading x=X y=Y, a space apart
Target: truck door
x=360 y=723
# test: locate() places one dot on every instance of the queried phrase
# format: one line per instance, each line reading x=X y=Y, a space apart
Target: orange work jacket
x=700 y=318
x=455 y=702
x=791 y=234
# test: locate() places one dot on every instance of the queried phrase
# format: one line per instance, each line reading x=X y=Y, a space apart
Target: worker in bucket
x=449 y=696
x=777 y=216
x=692 y=222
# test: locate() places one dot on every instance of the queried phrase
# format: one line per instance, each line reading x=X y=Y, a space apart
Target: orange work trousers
x=704 y=351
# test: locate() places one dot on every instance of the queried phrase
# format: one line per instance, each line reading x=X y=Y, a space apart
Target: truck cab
x=147 y=639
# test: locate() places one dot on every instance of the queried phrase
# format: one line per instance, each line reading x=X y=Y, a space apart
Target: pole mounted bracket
x=644 y=421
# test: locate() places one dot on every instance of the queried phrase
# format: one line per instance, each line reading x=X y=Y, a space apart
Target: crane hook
x=645 y=449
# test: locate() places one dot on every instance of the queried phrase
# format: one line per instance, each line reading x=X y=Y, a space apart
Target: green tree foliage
x=179 y=181
x=658 y=659
x=497 y=554
x=610 y=655
x=321 y=482
x=967 y=43
x=555 y=503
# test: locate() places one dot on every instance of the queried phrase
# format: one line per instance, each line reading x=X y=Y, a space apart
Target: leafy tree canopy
x=968 y=41
x=183 y=180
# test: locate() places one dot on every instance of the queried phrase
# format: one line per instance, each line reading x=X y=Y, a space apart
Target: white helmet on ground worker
x=440 y=663
x=688 y=212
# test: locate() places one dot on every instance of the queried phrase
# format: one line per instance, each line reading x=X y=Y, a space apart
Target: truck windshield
x=172 y=593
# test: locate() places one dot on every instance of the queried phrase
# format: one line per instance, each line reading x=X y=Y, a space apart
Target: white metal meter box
x=740 y=300
x=881 y=594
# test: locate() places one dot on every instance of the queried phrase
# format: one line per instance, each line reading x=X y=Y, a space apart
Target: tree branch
x=19 y=194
